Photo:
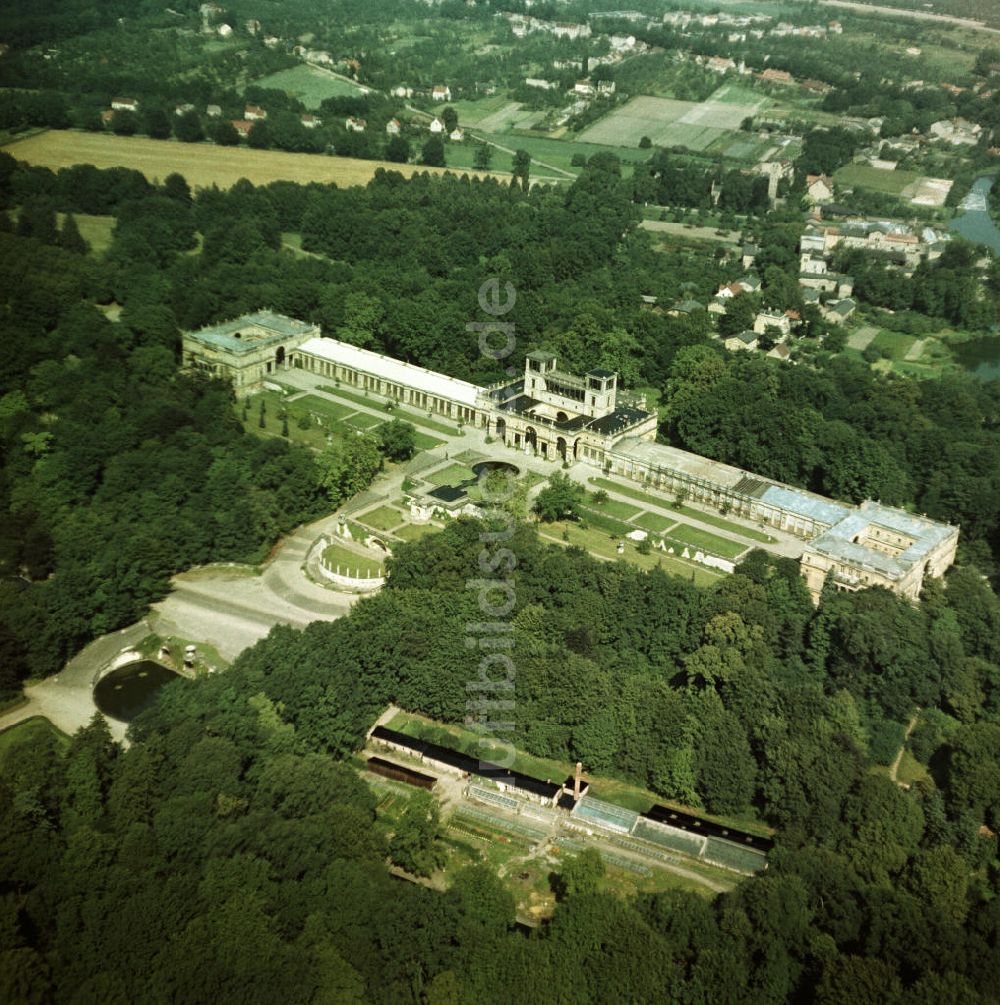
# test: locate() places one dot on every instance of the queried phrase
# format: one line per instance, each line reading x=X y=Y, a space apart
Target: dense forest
x=231 y=853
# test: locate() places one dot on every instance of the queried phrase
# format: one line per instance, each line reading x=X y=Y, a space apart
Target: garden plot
x=642 y=116
x=671 y=123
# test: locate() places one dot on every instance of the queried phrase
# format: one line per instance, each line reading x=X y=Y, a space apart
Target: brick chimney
x=576 y=781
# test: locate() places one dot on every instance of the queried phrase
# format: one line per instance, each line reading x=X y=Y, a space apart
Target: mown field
x=202 y=164
x=310 y=84
x=875 y=179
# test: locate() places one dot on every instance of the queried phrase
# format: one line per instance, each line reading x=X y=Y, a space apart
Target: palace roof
x=393 y=370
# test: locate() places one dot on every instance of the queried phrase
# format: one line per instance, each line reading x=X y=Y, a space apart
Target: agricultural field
x=670 y=123
x=310 y=84
x=875 y=179
x=202 y=164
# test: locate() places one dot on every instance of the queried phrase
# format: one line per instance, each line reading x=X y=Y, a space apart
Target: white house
x=819 y=188
x=441 y=92
x=456 y=135
x=393 y=127
x=254 y=113
x=124 y=105
x=437 y=127
x=355 y=125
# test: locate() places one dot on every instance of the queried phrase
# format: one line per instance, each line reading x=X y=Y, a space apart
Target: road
x=229 y=608
x=919 y=15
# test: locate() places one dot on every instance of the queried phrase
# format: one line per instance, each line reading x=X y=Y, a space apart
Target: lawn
x=415 y=531
x=875 y=179
x=895 y=344
x=695 y=537
x=624 y=511
x=326 y=409
x=351 y=563
x=310 y=84
x=30 y=731
x=599 y=543
x=654 y=522
x=405 y=414
x=471 y=113
x=383 y=518
x=911 y=770
x=202 y=164
x=453 y=474
x=696 y=514
x=95 y=230
x=362 y=420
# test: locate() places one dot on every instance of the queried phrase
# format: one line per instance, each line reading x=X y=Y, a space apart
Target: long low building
x=550 y=413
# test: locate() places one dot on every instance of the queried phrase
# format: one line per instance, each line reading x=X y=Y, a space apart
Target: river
x=974 y=222
x=980 y=356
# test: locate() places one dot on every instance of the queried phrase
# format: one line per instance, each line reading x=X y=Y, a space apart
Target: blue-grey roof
x=805 y=504
x=273 y=328
x=838 y=542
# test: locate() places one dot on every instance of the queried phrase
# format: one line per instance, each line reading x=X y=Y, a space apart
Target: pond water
x=125 y=692
x=973 y=221
x=980 y=356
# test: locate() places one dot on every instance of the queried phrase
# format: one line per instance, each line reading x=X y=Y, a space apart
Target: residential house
x=605 y=87
x=839 y=311
x=542 y=85
x=780 y=351
x=393 y=127
x=745 y=341
x=776 y=76
x=213 y=111
x=772 y=319
x=456 y=135
x=441 y=92
x=436 y=126
x=750 y=253
x=584 y=87
x=399 y=91
x=685 y=307
x=564 y=29
x=242 y=127
x=719 y=64
x=311 y=121
x=812 y=264
x=819 y=188
x=183 y=109
x=107 y=116
x=225 y=30
x=355 y=125
x=124 y=105
x=254 y=113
